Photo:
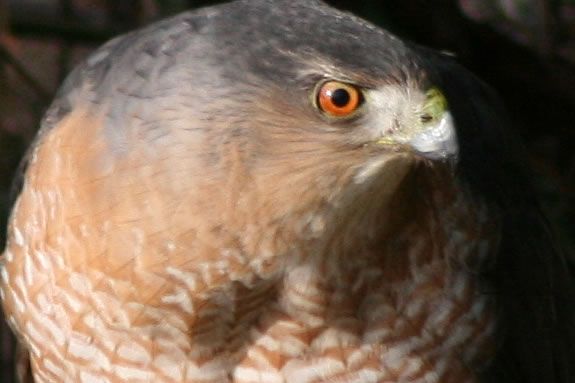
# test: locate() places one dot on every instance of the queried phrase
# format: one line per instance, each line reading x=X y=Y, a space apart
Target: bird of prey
x=277 y=191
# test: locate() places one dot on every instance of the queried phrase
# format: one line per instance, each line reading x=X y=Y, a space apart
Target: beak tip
x=438 y=142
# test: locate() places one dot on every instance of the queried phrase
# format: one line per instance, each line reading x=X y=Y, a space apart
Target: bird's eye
x=338 y=99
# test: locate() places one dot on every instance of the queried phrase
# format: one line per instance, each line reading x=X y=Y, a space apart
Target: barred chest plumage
x=406 y=305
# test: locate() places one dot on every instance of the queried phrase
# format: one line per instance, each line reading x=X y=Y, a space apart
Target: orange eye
x=338 y=99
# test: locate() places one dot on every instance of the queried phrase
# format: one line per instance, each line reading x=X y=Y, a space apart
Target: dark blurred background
x=523 y=48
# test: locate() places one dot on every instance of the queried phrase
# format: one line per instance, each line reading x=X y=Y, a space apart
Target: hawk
x=278 y=191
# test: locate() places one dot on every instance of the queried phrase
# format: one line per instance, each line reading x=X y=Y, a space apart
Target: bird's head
x=271 y=120
x=323 y=114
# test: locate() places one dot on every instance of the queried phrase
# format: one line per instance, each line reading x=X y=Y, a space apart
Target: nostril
x=426 y=118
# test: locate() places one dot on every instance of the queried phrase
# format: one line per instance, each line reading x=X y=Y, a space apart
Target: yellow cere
x=435 y=106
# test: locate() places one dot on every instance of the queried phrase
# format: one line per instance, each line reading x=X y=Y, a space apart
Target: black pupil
x=340 y=97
